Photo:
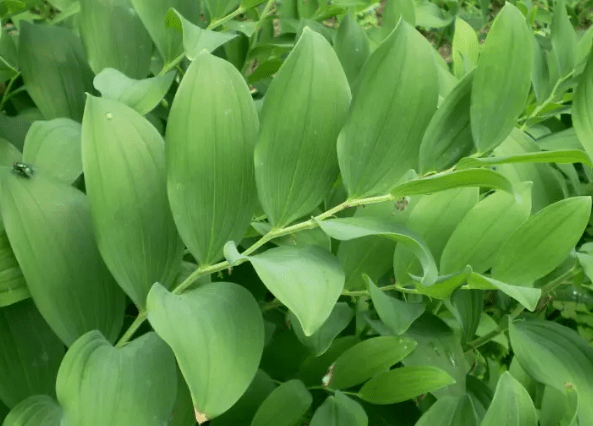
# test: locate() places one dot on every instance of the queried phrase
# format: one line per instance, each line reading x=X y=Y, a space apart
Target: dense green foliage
x=296 y=212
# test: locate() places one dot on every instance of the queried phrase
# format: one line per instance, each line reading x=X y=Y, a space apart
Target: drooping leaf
x=303 y=111
x=12 y=283
x=55 y=71
x=221 y=344
x=502 y=79
x=550 y=235
x=401 y=384
x=49 y=227
x=511 y=406
x=397 y=315
x=390 y=111
x=98 y=384
x=31 y=353
x=284 y=406
x=54 y=147
x=141 y=95
x=334 y=412
x=210 y=164
x=527 y=296
x=196 y=39
x=582 y=108
x=564 y=39
x=563 y=156
x=465 y=48
x=448 y=136
x=35 y=411
x=367 y=359
x=352 y=47
x=482 y=231
x=114 y=37
x=124 y=168
x=555 y=355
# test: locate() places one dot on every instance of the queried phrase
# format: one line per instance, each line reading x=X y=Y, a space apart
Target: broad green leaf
x=556 y=355
x=372 y=256
x=11 y=7
x=168 y=41
x=124 y=168
x=540 y=71
x=583 y=49
x=352 y=47
x=480 y=394
x=114 y=37
x=465 y=48
x=141 y=95
x=31 y=353
x=458 y=179
x=353 y=407
x=308 y=280
x=482 y=231
x=49 y=227
x=196 y=39
x=285 y=406
x=582 y=108
x=448 y=136
x=14 y=129
x=391 y=108
x=550 y=235
x=564 y=139
x=393 y=11
x=210 y=163
x=9 y=154
x=559 y=408
x=13 y=287
x=396 y=314
x=546 y=183
x=303 y=111
x=430 y=15
x=320 y=341
x=54 y=147
x=38 y=410
x=98 y=384
x=367 y=359
x=564 y=40
x=55 y=71
x=401 y=384
x=225 y=319
x=511 y=406
x=434 y=219
x=220 y=8
x=450 y=411
x=563 y=156
x=446 y=285
x=502 y=79
x=526 y=296
x=8 y=56
x=467 y=307
x=352 y=228
x=335 y=413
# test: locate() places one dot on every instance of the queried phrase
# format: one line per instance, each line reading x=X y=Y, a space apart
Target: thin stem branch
x=549 y=100
x=264 y=14
x=7 y=91
x=132 y=329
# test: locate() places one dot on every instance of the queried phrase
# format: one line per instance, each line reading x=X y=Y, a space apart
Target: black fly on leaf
x=23 y=169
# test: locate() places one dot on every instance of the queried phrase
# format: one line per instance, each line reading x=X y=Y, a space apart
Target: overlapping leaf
x=511 y=405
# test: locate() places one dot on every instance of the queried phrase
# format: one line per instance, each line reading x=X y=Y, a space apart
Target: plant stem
x=225 y=19
x=264 y=14
x=132 y=329
x=545 y=103
x=8 y=87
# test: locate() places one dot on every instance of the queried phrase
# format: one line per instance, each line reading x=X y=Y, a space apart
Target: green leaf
x=540 y=71
x=55 y=71
x=502 y=79
x=467 y=308
x=114 y=37
x=564 y=139
x=394 y=10
x=559 y=408
x=140 y=95
x=446 y=285
x=372 y=256
x=582 y=108
x=221 y=344
x=564 y=40
x=210 y=163
x=482 y=231
x=11 y=7
x=458 y=179
x=448 y=136
x=352 y=228
x=183 y=411
x=124 y=169
x=397 y=315
x=54 y=147
x=168 y=41
x=526 y=296
x=9 y=154
x=511 y=405
x=8 y=56
x=352 y=47
x=313 y=369
x=31 y=353
x=550 y=235
x=195 y=39
x=404 y=383
x=353 y=407
x=367 y=359
x=450 y=411
x=35 y=411
x=220 y=8
x=320 y=341
x=465 y=48
x=49 y=227
x=304 y=108
x=285 y=406
x=555 y=355
x=12 y=283
x=394 y=101
x=335 y=413
x=98 y=384
x=563 y=156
